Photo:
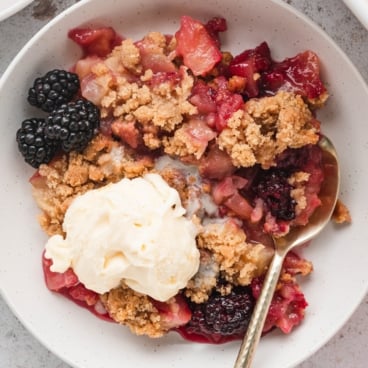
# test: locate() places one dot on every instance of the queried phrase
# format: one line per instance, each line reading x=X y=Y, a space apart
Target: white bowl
x=10 y=7
x=360 y=9
x=340 y=255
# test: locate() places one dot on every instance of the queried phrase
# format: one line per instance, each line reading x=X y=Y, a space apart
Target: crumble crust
x=298 y=180
x=239 y=261
x=318 y=102
x=178 y=181
x=181 y=144
x=341 y=213
x=56 y=184
x=266 y=127
x=134 y=310
x=189 y=140
x=153 y=105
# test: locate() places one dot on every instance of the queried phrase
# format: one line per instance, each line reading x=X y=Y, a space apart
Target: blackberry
x=292 y=159
x=53 y=89
x=73 y=125
x=274 y=189
x=222 y=315
x=35 y=147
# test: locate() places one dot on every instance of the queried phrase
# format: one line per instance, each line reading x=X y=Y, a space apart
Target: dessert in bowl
x=76 y=56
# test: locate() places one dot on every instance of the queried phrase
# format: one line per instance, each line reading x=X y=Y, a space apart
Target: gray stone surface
x=349 y=348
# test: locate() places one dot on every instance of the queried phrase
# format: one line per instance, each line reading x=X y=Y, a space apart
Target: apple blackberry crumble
x=164 y=167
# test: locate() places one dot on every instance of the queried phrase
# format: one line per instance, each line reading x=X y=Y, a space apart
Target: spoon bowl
x=297 y=236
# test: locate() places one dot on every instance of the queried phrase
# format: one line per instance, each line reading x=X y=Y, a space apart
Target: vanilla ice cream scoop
x=134 y=230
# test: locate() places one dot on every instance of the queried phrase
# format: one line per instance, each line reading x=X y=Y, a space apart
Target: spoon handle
x=254 y=331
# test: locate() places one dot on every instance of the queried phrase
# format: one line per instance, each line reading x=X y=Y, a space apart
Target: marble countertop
x=349 y=347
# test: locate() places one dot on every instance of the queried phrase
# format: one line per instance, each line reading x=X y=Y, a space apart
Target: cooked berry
x=287 y=307
x=301 y=75
x=274 y=189
x=53 y=89
x=222 y=315
x=73 y=124
x=32 y=143
x=292 y=159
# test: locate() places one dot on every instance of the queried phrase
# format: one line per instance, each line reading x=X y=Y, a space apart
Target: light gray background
x=349 y=348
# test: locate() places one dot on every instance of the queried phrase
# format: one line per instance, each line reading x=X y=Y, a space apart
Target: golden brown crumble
x=129 y=55
x=162 y=104
x=318 y=102
x=168 y=104
x=180 y=144
x=298 y=181
x=57 y=183
x=266 y=127
x=178 y=181
x=183 y=143
x=158 y=43
x=237 y=84
x=238 y=260
x=341 y=213
x=134 y=310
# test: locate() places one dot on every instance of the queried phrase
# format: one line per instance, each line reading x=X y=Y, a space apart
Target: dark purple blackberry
x=53 y=89
x=32 y=143
x=222 y=315
x=292 y=159
x=73 y=124
x=274 y=189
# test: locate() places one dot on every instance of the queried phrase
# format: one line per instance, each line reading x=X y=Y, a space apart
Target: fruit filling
x=164 y=167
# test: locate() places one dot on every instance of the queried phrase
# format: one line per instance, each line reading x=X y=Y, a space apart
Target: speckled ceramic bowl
x=10 y=7
x=360 y=9
x=340 y=279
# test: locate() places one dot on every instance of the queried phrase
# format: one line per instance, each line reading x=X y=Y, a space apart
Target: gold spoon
x=297 y=236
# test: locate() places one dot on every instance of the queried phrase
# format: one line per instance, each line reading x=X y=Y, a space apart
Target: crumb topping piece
x=266 y=127
x=298 y=180
x=238 y=260
x=341 y=213
x=138 y=83
x=191 y=139
x=134 y=310
x=55 y=185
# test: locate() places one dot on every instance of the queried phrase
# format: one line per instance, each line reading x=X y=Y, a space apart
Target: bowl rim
x=359 y=9
x=14 y=8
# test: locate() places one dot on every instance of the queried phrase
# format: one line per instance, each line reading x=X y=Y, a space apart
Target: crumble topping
x=318 y=102
x=341 y=213
x=177 y=180
x=191 y=139
x=56 y=184
x=266 y=127
x=134 y=310
x=146 y=104
x=181 y=144
x=145 y=101
x=298 y=180
x=128 y=54
x=238 y=261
